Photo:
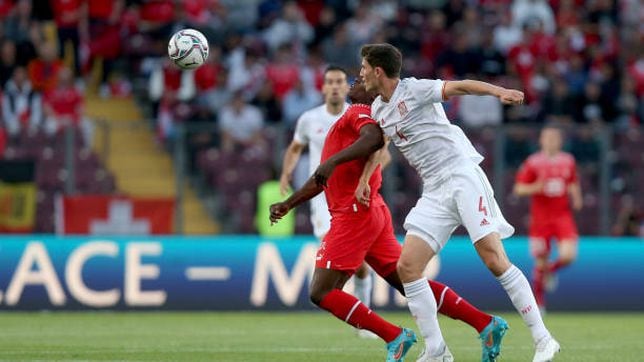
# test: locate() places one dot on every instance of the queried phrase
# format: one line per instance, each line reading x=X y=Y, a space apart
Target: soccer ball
x=188 y=49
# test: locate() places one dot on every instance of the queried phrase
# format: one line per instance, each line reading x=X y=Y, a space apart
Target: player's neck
x=388 y=88
x=551 y=153
x=334 y=109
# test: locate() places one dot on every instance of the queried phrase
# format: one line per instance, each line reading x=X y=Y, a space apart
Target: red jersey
x=158 y=11
x=344 y=180
x=65 y=102
x=67 y=12
x=283 y=77
x=100 y=9
x=558 y=173
x=43 y=75
x=5 y=7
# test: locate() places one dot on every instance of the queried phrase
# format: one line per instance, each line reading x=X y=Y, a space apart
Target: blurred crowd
x=578 y=61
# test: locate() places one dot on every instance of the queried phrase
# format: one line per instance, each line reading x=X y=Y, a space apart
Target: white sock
x=422 y=306
x=518 y=289
x=362 y=289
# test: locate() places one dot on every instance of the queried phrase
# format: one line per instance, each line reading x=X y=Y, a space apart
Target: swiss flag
x=111 y=215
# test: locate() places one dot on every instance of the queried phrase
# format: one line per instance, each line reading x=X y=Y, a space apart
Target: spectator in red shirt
x=169 y=84
x=567 y=14
x=522 y=61
x=283 y=72
x=207 y=74
x=104 y=36
x=64 y=106
x=156 y=18
x=5 y=7
x=68 y=15
x=43 y=71
x=196 y=11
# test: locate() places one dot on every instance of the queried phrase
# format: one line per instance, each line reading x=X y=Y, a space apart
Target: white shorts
x=320 y=216
x=462 y=197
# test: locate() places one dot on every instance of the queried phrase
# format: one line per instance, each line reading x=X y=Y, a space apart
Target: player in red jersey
x=550 y=177
x=362 y=231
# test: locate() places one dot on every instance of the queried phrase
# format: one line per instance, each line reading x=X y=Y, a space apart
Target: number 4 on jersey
x=483 y=209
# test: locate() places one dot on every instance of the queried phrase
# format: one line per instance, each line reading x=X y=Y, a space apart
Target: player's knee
x=540 y=262
x=408 y=271
x=316 y=296
x=567 y=259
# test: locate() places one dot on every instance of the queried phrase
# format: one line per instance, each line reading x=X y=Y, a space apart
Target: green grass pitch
x=295 y=336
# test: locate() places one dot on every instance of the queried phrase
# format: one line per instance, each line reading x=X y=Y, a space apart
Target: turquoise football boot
x=398 y=348
x=491 y=338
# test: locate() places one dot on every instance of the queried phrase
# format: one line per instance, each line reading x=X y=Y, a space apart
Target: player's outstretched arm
x=527 y=189
x=308 y=191
x=291 y=156
x=575 y=193
x=475 y=87
x=370 y=141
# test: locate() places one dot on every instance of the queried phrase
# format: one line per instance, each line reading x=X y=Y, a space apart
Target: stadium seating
x=51 y=174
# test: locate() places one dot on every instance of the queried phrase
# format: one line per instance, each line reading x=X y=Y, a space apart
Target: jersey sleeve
x=359 y=118
x=526 y=173
x=573 y=171
x=428 y=90
x=301 y=135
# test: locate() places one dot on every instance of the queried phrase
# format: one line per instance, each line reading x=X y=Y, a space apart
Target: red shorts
x=541 y=233
x=357 y=237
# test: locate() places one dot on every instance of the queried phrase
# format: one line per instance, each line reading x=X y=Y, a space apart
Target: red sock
x=556 y=265
x=349 y=309
x=454 y=306
x=537 y=286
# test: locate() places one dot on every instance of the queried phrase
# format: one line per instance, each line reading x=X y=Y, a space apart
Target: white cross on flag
x=110 y=215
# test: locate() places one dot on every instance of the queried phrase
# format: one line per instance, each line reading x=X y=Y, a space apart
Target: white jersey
x=416 y=122
x=414 y=119
x=311 y=129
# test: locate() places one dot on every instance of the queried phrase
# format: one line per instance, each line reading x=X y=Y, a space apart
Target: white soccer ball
x=188 y=48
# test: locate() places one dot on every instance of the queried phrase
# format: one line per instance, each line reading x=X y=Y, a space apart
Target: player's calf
x=492 y=253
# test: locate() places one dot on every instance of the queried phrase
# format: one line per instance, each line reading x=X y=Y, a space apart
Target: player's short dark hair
x=385 y=56
x=336 y=68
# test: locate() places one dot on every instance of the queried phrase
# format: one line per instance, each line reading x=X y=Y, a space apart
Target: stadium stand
x=580 y=63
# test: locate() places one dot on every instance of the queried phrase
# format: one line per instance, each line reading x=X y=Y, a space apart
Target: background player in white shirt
x=311 y=130
x=455 y=191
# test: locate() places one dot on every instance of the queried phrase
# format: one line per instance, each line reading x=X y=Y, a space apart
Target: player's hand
x=511 y=96
x=278 y=211
x=285 y=184
x=323 y=172
x=363 y=193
